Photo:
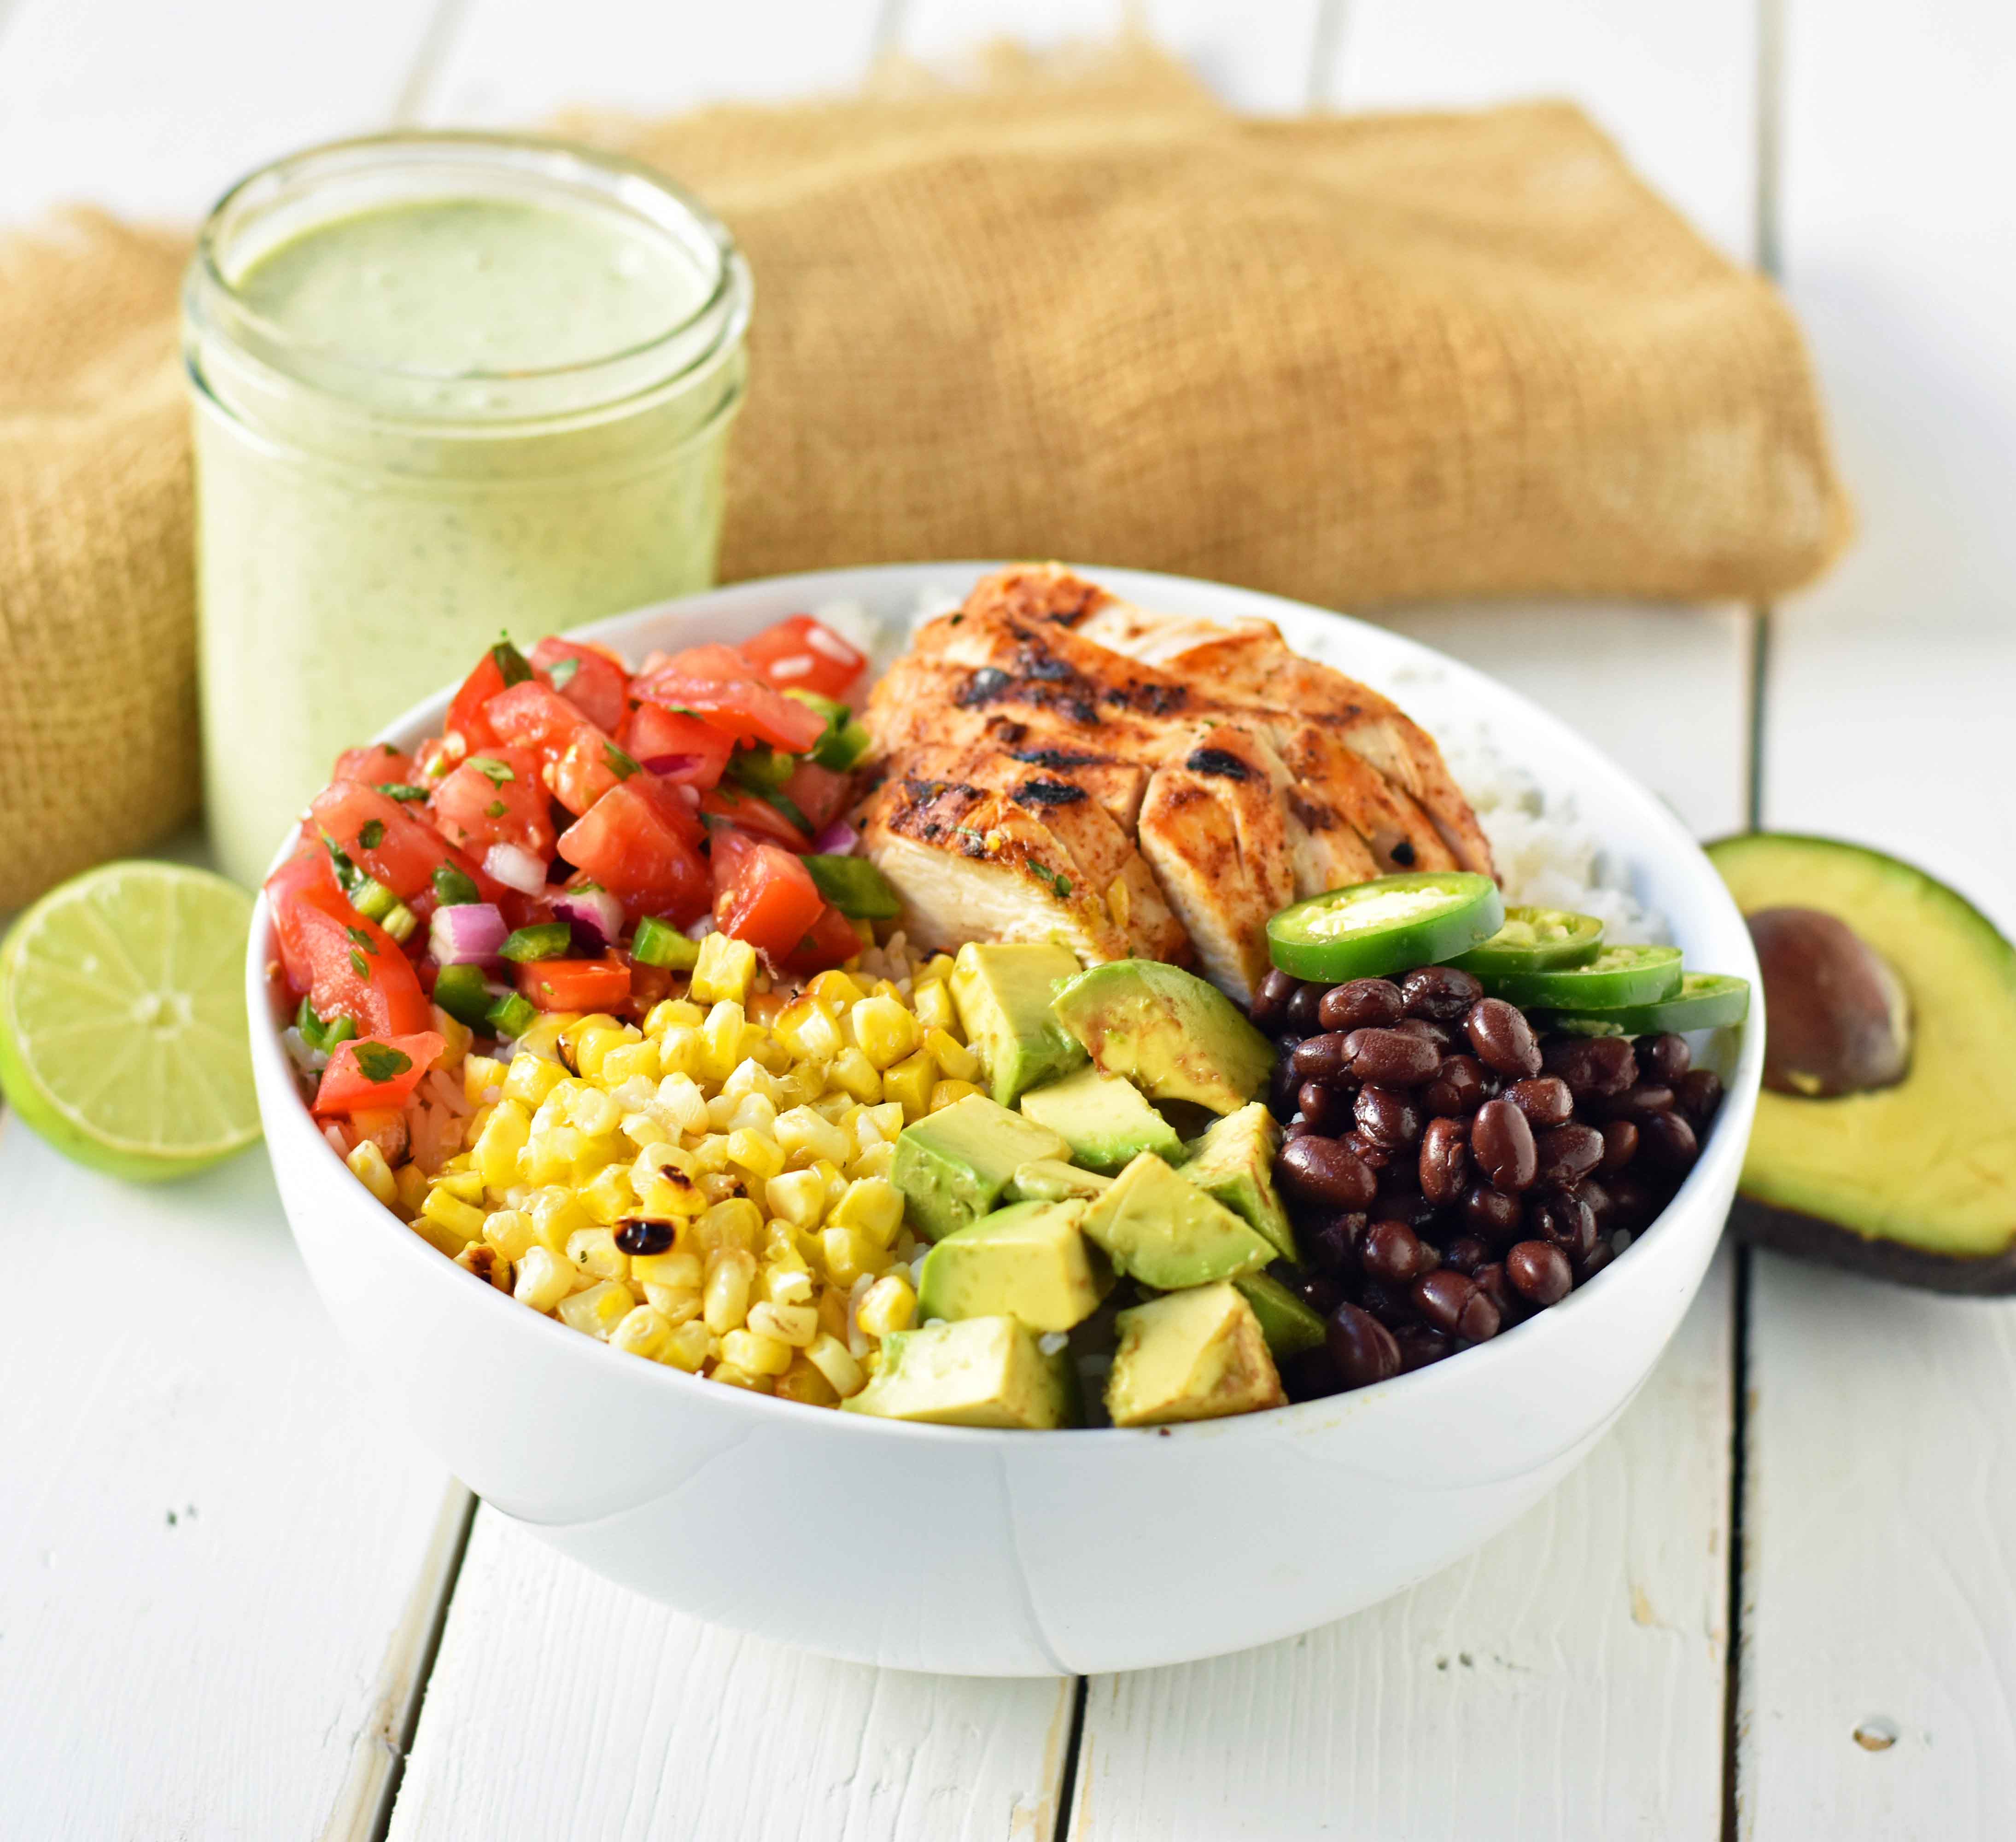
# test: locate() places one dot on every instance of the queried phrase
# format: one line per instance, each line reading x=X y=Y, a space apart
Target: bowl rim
x=807 y=589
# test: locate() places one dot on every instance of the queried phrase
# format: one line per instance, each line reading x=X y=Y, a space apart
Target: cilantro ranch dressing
x=444 y=385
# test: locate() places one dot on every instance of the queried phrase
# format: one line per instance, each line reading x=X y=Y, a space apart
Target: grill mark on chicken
x=1218 y=760
x=1055 y=758
x=1311 y=817
x=1403 y=854
x=1048 y=792
x=989 y=684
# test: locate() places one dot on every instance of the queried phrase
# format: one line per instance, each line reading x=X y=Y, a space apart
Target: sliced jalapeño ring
x=1388 y=925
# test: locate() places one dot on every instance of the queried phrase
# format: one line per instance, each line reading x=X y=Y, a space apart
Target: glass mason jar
x=444 y=386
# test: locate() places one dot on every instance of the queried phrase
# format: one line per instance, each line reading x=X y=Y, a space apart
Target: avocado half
x=1914 y=1183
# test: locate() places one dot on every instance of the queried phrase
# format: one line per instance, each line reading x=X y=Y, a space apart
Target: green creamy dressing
x=375 y=511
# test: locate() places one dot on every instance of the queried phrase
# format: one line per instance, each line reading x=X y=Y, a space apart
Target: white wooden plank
x=1255 y=57
x=209 y=1542
x=562 y=1705
x=1567 y=1682
x=153 y=111
x=1878 y=1520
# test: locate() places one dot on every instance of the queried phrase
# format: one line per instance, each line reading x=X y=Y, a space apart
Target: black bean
x=1670 y=1141
x=1330 y=1244
x=1458 y=1088
x=1358 y=1002
x=1421 y=1344
x=1390 y=1058
x=1450 y=1302
x=1481 y=1319
x=1504 y=1040
x=1320 y=1057
x=1388 y=1118
x=1393 y=1251
x=1408 y=1206
x=1620 y=1146
x=1598 y=1256
x=1465 y=1255
x=1312 y=1375
x=1502 y=1143
x=642 y=1234
x=1492 y=1213
x=1302 y=1009
x=1375 y=1158
x=1544 y=1100
x=1632 y=1201
x=1538 y=1271
x=1440 y=992
x=1490 y=1278
x=1594 y=1066
x=1665 y=1058
x=1320 y=1170
x=1602 y=1205
x=1363 y=1348
x=1440 y=1034
x=1700 y=1093
x=1327 y=1109
x=1270 y=998
x=1319 y=1291
x=1296 y=1128
x=1393 y=1305
x=1562 y=1217
x=1444 y=1162
x=1567 y=1154
x=1640 y=1102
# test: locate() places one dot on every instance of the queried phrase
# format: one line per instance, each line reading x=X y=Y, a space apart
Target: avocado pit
x=1839 y=1020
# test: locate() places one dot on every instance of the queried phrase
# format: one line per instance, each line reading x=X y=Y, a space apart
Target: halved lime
x=122 y=1020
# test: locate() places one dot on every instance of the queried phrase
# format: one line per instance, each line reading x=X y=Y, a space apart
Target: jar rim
x=213 y=304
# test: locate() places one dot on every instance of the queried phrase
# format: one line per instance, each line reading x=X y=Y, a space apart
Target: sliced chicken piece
x=1336 y=790
x=1037 y=590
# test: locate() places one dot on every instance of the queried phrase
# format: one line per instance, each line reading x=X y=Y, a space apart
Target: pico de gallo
x=567 y=841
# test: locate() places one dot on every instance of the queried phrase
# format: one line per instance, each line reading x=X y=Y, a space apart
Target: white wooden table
x=1780 y=1601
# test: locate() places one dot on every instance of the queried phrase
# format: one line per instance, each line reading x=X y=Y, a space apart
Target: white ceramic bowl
x=1000 y=1553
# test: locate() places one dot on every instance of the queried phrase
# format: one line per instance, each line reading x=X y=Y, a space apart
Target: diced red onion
x=838 y=839
x=516 y=868
x=672 y=764
x=467 y=933
x=596 y=916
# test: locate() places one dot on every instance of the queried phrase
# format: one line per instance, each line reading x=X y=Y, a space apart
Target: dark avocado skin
x=1960 y=934
x=1806 y=1237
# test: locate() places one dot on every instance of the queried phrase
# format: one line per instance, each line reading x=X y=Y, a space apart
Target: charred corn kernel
x=725 y=1298
x=455 y=1035
x=682 y=1103
x=933 y=1006
x=594 y=1251
x=735 y=1377
x=595 y=1040
x=754 y=1113
x=805 y=1137
x=411 y=1183
x=888 y=1304
x=679 y=1304
x=726 y=969
x=855 y=1075
x=829 y=1356
x=598 y=1310
x=686 y=1348
x=755 y=1355
x=608 y=1196
x=556 y=1215
x=797 y=1197
x=681 y=1050
x=806 y=1028
x=683 y=1271
x=453 y=1217
x=548 y=1156
x=670 y=1193
x=721 y=1040
x=949 y=1093
x=796 y=1325
x=749 y=1076
x=464 y=1185
x=873 y=1206
x=878 y=1125
x=530 y=1078
x=733 y=1222
x=480 y=1074
x=367 y=1164
x=883 y=1029
x=644 y=1332
x=955 y=1061
x=592 y=1111
x=510 y=1232
x=671 y=1013
x=789 y=1285
x=848 y=1253
x=644 y=1130
x=483 y=1259
x=837 y=989
x=632 y=1061
x=497 y=1146
x=832 y=1309
x=936 y=968
x=910 y=1081
x=543 y=1034
x=543 y=1279
x=803 y=1382
x=878 y=1160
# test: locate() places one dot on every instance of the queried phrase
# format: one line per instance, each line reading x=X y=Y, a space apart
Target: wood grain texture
x=1880 y=1504
x=563 y=1705
x=1564 y=1683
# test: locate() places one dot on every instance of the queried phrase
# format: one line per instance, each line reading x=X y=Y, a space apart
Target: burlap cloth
x=1356 y=361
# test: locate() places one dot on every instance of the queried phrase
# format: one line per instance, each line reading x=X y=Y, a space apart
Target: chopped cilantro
x=620 y=764
x=495 y=809
x=454 y=887
x=401 y=791
x=492 y=770
x=359 y=938
x=373 y=835
x=510 y=662
x=379 y=1061
x=357 y=964
x=1059 y=886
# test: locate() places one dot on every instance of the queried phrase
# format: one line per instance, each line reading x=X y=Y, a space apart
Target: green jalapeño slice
x=1617 y=975
x=1534 y=940
x=1706 y=1001
x=1388 y=925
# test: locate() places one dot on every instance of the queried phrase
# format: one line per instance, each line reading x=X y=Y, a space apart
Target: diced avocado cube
x=1234 y=1161
x=1028 y=1261
x=1288 y=1325
x=1003 y=994
x=1198 y=1354
x=1051 y=1180
x=951 y=1165
x=1157 y=1225
x=980 y=1372
x=1176 y=1037
x=1103 y=1119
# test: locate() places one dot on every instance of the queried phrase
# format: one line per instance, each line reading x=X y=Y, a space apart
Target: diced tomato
x=748 y=708
x=581 y=763
x=434 y=759
x=497 y=796
x=695 y=751
x=384 y=839
x=802 y=654
x=713 y=661
x=773 y=903
x=830 y=941
x=818 y=793
x=345 y=966
x=728 y=848
x=576 y=984
x=631 y=843
x=594 y=683
x=753 y=814
x=376 y=1071
x=375 y=766
x=468 y=726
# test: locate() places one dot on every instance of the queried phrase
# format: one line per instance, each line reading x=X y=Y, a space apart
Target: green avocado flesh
x=980 y=1372
x=1158 y=1225
x=1003 y=994
x=1194 y=1355
x=1289 y=1325
x=1028 y=1261
x=1103 y=1119
x=1175 y=1036
x=1915 y=1181
x=1233 y=1161
x=952 y=1166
